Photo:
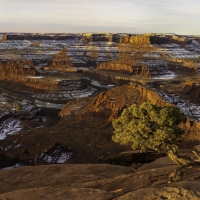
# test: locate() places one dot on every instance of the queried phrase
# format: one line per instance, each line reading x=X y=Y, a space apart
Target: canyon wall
x=38 y=36
x=22 y=71
x=111 y=103
x=103 y=37
x=134 y=69
x=12 y=69
x=115 y=99
x=191 y=89
x=61 y=62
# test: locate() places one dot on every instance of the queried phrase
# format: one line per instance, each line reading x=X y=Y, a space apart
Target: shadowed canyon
x=59 y=95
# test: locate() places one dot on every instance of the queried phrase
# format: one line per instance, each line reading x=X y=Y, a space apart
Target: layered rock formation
x=89 y=50
x=111 y=103
x=134 y=69
x=85 y=182
x=118 y=58
x=191 y=89
x=13 y=69
x=61 y=62
x=156 y=66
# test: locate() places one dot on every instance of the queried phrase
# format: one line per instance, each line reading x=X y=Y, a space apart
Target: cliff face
x=38 y=36
x=135 y=39
x=191 y=89
x=113 y=101
x=110 y=104
x=192 y=133
x=159 y=40
x=91 y=37
x=61 y=62
x=168 y=39
x=88 y=50
x=131 y=93
x=135 y=69
x=3 y=37
x=13 y=69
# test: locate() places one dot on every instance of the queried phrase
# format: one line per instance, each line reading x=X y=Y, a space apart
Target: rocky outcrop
x=131 y=158
x=134 y=69
x=85 y=125
x=144 y=68
x=55 y=154
x=39 y=82
x=91 y=37
x=135 y=39
x=159 y=40
x=38 y=36
x=13 y=69
x=191 y=89
x=112 y=102
x=87 y=50
x=61 y=62
x=182 y=67
x=183 y=190
x=3 y=37
x=23 y=71
x=192 y=133
x=97 y=181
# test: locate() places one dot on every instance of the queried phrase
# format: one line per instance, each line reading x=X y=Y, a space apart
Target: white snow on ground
x=179 y=53
x=34 y=77
x=190 y=109
x=171 y=75
x=55 y=158
x=58 y=153
x=63 y=157
x=42 y=104
x=176 y=52
x=12 y=147
x=96 y=83
x=9 y=127
x=62 y=95
x=11 y=167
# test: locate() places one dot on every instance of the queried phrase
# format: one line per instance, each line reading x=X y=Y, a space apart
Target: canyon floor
x=59 y=94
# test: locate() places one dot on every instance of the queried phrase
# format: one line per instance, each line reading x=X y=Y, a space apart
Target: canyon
x=59 y=95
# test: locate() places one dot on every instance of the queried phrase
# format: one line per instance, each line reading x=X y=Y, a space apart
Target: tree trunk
x=171 y=151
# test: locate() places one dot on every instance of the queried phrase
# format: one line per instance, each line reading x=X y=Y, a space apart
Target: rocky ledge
x=93 y=181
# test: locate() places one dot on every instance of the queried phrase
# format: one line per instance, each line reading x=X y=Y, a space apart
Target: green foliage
x=148 y=126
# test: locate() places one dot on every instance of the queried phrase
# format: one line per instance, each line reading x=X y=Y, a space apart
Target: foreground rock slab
x=96 y=181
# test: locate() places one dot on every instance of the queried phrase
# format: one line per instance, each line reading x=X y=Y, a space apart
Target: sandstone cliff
x=102 y=37
x=61 y=62
x=12 y=69
x=38 y=36
x=134 y=69
x=110 y=104
x=3 y=37
x=135 y=39
x=191 y=89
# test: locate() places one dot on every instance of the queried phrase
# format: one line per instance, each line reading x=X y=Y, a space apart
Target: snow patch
x=171 y=75
x=56 y=154
x=11 y=167
x=96 y=83
x=9 y=127
x=43 y=104
x=190 y=109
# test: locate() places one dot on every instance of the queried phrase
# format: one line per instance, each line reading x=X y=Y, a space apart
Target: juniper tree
x=148 y=126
